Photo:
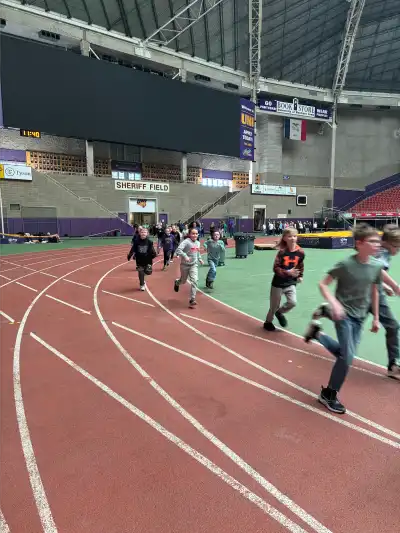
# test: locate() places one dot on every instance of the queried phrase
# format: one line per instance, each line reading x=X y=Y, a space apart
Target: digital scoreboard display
x=30 y=133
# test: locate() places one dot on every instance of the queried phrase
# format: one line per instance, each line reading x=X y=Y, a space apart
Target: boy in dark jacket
x=167 y=243
x=143 y=252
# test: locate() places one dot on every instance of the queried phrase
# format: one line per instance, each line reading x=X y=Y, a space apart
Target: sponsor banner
x=141 y=186
x=12 y=171
x=295 y=129
x=276 y=190
x=327 y=243
x=389 y=214
x=247 y=119
x=125 y=170
x=295 y=108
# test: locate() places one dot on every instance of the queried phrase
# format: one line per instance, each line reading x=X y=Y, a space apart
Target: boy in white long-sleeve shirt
x=189 y=251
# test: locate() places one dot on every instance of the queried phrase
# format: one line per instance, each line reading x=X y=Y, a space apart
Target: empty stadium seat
x=385 y=201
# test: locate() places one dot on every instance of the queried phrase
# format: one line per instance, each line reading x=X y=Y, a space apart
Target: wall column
x=184 y=168
x=89 y=158
x=269 y=148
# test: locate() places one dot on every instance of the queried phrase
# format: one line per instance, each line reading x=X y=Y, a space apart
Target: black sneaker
x=323 y=311
x=211 y=285
x=269 y=326
x=328 y=397
x=208 y=284
x=281 y=319
x=176 y=285
x=394 y=372
x=312 y=331
x=192 y=304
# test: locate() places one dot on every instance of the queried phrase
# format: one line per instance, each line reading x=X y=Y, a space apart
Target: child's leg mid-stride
x=391 y=326
x=212 y=274
x=167 y=256
x=344 y=349
x=141 y=277
x=188 y=272
x=275 y=308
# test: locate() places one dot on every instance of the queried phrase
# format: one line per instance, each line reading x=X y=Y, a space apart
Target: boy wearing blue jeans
x=358 y=278
x=214 y=246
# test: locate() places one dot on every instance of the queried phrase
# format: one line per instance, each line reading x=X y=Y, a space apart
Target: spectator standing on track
x=213 y=246
x=167 y=243
x=358 y=279
x=143 y=252
x=189 y=251
x=288 y=272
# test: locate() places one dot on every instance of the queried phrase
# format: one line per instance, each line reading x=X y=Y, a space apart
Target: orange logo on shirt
x=290 y=261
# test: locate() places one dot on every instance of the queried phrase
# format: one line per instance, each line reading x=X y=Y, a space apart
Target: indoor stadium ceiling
x=300 y=38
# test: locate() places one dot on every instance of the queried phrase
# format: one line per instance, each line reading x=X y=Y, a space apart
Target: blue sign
x=295 y=109
x=247 y=119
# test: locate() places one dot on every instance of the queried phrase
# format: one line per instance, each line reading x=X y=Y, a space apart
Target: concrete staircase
x=206 y=209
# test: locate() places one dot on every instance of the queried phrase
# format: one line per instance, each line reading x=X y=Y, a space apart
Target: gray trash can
x=118 y=233
x=241 y=245
x=250 y=244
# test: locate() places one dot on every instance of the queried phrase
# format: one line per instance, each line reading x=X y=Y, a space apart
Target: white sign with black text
x=141 y=186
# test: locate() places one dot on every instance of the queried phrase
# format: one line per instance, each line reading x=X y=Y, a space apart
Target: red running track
x=128 y=412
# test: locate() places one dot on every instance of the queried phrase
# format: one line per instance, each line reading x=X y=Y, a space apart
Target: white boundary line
x=77 y=283
x=280 y=329
x=264 y=339
x=68 y=304
x=26 y=286
x=53 y=266
x=38 y=490
x=5 y=277
x=266 y=371
x=7 y=316
x=281 y=395
x=244 y=491
x=127 y=298
x=4 y=528
x=282 y=498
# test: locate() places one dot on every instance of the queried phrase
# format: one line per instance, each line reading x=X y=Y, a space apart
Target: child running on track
x=167 y=243
x=288 y=271
x=214 y=246
x=177 y=239
x=143 y=251
x=189 y=251
x=358 y=278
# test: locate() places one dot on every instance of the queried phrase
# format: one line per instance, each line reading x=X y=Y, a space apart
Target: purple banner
x=295 y=109
x=247 y=118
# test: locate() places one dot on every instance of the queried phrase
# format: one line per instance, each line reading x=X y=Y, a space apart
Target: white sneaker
x=143 y=287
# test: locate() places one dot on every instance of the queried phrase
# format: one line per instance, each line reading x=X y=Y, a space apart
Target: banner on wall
x=142 y=205
x=11 y=171
x=273 y=190
x=141 y=186
x=247 y=118
x=295 y=129
x=294 y=108
x=126 y=170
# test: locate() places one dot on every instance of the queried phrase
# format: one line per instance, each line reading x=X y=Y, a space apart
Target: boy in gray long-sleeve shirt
x=189 y=251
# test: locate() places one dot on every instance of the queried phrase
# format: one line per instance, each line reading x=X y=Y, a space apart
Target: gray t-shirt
x=354 y=284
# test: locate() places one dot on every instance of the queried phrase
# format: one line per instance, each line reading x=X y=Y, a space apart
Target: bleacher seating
x=382 y=202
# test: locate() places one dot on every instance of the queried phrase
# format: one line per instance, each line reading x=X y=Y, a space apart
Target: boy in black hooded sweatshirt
x=143 y=251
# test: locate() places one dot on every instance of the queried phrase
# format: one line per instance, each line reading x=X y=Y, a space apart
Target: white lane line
x=7 y=317
x=284 y=330
x=281 y=395
x=77 y=283
x=26 y=286
x=269 y=372
x=56 y=266
x=35 y=480
x=127 y=298
x=3 y=524
x=200 y=458
x=5 y=277
x=44 y=273
x=280 y=344
x=68 y=304
x=282 y=498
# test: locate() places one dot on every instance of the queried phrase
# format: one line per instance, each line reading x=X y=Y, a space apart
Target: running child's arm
x=180 y=251
x=300 y=267
x=278 y=270
x=131 y=252
x=200 y=259
x=375 y=308
x=387 y=280
x=337 y=309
